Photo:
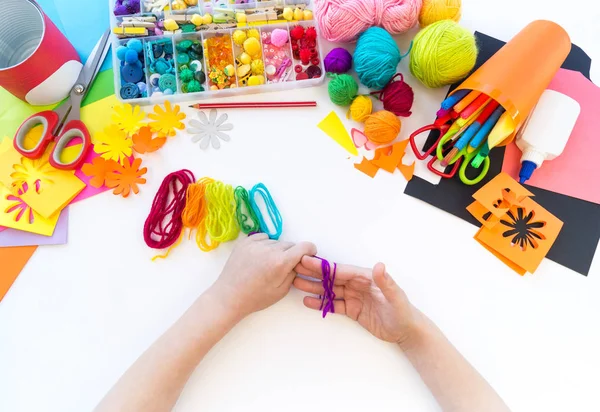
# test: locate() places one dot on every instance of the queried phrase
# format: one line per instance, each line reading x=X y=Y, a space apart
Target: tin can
x=37 y=63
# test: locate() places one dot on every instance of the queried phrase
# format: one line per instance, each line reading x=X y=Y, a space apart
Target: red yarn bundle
x=397 y=97
x=164 y=225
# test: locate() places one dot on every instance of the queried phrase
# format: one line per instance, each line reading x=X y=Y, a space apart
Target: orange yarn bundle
x=382 y=127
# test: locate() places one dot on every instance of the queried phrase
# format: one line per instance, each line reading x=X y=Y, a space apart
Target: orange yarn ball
x=382 y=127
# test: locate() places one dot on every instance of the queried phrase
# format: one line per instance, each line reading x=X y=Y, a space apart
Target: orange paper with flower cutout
x=515 y=228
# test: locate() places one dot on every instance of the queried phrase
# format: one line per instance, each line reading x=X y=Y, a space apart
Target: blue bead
x=131 y=56
x=132 y=73
x=135 y=44
x=168 y=92
x=142 y=86
x=121 y=52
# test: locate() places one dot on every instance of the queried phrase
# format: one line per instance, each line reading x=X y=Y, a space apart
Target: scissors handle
x=428 y=152
x=485 y=167
x=73 y=130
x=444 y=174
x=48 y=120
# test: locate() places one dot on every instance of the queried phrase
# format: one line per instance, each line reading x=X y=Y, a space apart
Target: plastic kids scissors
x=63 y=124
x=441 y=125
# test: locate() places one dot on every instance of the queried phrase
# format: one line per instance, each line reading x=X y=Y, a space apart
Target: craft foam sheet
x=577 y=242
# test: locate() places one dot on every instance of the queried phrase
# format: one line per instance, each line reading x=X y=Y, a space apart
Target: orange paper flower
x=144 y=143
x=167 y=120
x=98 y=170
x=126 y=178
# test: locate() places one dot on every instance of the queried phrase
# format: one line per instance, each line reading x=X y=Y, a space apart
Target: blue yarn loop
x=272 y=210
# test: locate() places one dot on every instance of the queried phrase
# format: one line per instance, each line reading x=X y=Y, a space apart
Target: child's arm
x=376 y=302
x=258 y=274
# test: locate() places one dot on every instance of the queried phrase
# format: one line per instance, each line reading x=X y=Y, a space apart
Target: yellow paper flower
x=167 y=120
x=128 y=118
x=113 y=144
x=32 y=173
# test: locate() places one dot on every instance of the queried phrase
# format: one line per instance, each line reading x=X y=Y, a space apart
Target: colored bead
x=154 y=79
x=315 y=61
x=313 y=72
x=195 y=65
x=132 y=73
x=183 y=58
x=196 y=20
x=213 y=87
x=157 y=50
x=167 y=81
x=135 y=44
x=207 y=19
x=298 y=69
x=171 y=25
x=188 y=28
x=243 y=70
x=256 y=80
x=298 y=14
x=270 y=70
x=184 y=45
x=308 y=15
x=200 y=76
x=168 y=92
x=229 y=70
x=241 y=18
x=288 y=14
x=143 y=87
x=301 y=76
x=129 y=91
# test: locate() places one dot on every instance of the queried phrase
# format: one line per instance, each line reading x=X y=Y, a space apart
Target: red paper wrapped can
x=37 y=62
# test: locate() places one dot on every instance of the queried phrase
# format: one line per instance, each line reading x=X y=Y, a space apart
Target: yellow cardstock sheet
x=16 y=214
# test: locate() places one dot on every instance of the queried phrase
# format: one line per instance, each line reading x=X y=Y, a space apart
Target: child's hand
x=370 y=297
x=259 y=273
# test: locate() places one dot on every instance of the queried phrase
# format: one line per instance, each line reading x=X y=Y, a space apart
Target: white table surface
x=80 y=314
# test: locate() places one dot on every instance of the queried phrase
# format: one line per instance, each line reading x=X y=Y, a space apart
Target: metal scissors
x=63 y=124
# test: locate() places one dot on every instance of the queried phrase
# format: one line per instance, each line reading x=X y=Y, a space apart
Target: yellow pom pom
x=436 y=10
x=258 y=67
x=245 y=58
x=298 y=14
x=196 y=20
x=207 y=19
x=256 y=80
x=178 y=5
x=171 y=25
x=308 y=15
x=239 y=37
x=382 y=127
x=288 y=14
x=254 y=33
x=241 y=18
x=360 y=109
x=252 y=46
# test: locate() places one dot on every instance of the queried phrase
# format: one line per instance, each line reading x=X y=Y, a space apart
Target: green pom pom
x=342 y=89
x=194 y=86
x=186 y=75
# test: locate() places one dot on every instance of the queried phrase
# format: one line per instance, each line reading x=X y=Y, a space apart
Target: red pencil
x=252 y=105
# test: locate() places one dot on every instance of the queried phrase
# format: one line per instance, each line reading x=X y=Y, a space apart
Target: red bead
x=315 y=61
x=295 y=47
x=312 y=44
x=311 y=33
x=298 y=68
x=297 y=32
x=301 y=76
x=314 y=53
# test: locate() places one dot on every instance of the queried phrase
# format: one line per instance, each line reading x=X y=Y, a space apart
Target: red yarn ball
x=311 y=33
x=305 y=56
x=397 y=97
x=297 y=33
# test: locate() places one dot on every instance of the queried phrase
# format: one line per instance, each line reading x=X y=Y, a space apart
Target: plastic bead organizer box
x=185 y=50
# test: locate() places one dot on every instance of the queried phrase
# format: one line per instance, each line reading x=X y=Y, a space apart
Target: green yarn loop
x=242 y=200
x=443 y=53
x=342 y=88
x=376 y=58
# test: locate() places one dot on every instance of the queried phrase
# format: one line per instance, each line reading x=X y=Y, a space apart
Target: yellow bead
x=258 y=67
x=171 y=25
x=178 y=5
x=288 y=14
x=239 y=37
x=298 y=14
x=233 y=86
x=256 y=80
x=207 y=19
x=241 y=18
x=213 y=87
x=252 y=46
x=196 y=20
x=229 y=70
x=308 y=15
x=254 y=34
x=245 y=58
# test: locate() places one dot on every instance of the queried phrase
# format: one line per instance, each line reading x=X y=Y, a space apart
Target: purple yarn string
x=328 y=282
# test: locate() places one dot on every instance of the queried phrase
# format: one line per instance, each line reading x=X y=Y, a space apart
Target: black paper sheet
x=577 y=242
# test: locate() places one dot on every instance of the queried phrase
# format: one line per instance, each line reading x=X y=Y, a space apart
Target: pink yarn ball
x=344 y=20
x=279 y=37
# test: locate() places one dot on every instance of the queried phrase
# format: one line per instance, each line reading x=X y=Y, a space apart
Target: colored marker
x=470 y=132
x=503 y=128
x=485 y=129
x=460 y=106
x=450 y=101
x=482 y=99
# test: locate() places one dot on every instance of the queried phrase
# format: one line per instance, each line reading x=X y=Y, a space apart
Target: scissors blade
x=94 y=61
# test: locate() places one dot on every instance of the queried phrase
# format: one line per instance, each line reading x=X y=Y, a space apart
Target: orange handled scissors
x=63 y=124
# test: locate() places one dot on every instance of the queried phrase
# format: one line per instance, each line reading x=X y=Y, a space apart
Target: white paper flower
x=209 y=130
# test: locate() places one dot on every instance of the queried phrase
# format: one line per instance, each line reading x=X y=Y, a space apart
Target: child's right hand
x=370 y=297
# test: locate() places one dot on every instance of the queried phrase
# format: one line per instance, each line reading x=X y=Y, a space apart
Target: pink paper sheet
x=576 y=172
x=89 y=190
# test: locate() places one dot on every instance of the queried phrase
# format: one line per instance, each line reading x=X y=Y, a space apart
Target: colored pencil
x=252 y=105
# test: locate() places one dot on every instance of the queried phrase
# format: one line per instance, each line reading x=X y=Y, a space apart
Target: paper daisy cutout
x=209 y=130
x=125 y=179
x=167 y=120
x=128 y=118
x=143 y=141
x=113 y=144
x=98 y=170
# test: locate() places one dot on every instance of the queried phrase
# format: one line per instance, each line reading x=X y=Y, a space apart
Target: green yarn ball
x=194 y=86
x=342 y=89
x=186 y=75
x=443 y=53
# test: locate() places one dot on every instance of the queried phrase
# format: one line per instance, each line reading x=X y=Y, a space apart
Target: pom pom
x=297 y=32
x=311 y=34
x=186 y=75
x=343 y=20
x=258 y=67
x=121 y=50
x=360 y=109
x=443 y=53
x=241 y=18
x=131 y=56
x=252 y=46
x=194 y=86
x=342 y=89
x=135 y=44
x=397 y=97
x=382 y=127
x=338 y=60
x=376 y=58
x=305 y=56
x=239 y=37
x=279 y=37
x=436 y=10
x=254 y=33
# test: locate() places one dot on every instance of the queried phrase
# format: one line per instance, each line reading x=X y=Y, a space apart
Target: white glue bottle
x=547 y=131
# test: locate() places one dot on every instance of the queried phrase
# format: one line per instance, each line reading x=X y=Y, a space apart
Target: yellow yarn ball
x=254 y=33
x=252 y=46
x=239 y=37
x=443 y=53
x=382 y=127
x=258 y=67
x=360 y=108
x=436 y=10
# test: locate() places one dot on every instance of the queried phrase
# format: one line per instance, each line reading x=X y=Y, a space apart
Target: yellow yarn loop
x=201 y=230
x=360 y=109
x=382 y=127
x=221 y=222
x=436 y=10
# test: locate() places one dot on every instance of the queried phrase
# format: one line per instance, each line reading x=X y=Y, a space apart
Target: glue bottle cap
x=527 y=168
